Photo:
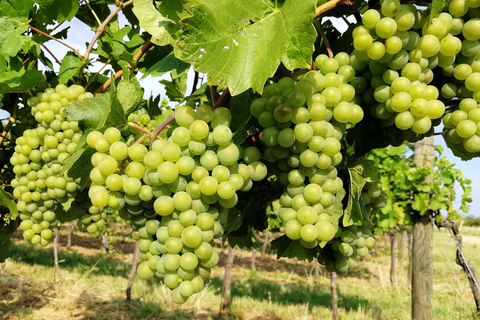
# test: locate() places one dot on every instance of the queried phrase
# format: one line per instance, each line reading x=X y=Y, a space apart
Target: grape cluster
x=39 y=156
x=463 y=74
x=400 y=65
x=303 y=123
x=342 y=253
x=175 y=195
x=462 y=126
x=374 y=197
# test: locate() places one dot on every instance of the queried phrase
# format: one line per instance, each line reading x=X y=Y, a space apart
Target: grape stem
x=136 y=126
x=325 y=40
x=143 y=137
x=329 y=5
x=222 y=100
x=51 y=53
x=438 y=133
x=147 y=45
x=159 y=129
x=195 y=82
x=96 y=74
x=59 y=41
x=93 y=12
x=213 y=94
x=101 y=28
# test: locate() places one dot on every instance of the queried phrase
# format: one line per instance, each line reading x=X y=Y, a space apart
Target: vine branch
x=223 y=100
x=195 y=82
x=325 y=41
x=136 y=126
x=59 y=41
x=213 y=94
x=93 y=12
x=50 y=52
x=101 y=28
x=327 y=6
x=159 y=129
x=147 y=45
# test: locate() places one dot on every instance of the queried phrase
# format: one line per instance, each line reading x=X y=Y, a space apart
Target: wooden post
x=333 y=290
x=422 y=246
x=316 y=271
x=402 y=245
x=393 y=261
x=70 y=227
x=265 y=243
x=56 y=241
x=227 y=283
x=253 y=259
x=133 y=271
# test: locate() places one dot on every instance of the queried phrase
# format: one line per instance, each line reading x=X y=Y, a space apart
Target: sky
x=79 y=35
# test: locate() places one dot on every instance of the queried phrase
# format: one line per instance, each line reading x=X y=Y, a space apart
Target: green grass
x=93 y=287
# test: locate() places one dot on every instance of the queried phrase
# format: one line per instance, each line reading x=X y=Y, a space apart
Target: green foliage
x=409 y=194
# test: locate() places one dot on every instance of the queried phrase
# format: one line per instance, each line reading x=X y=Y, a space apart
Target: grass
x=93 y=287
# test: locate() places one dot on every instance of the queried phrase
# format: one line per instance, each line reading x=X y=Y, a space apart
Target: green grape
x=370 y=18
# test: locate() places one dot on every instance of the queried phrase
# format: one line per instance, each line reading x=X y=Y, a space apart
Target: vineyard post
x=227 y=283
x=333 y=292
x=422 y=246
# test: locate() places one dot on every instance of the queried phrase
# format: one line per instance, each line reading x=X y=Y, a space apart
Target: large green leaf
x=129 y=93
x=15 y=8
x=167 y=64
x=459 y=151
x=288 y=248
x=240 y=44
x=71 y=64
x=10 y=36
x=6 y=201
x=57 y=10
x=153 y=22
x=360 y=173
x=96 y=113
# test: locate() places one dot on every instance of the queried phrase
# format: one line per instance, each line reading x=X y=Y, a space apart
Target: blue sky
x=79 y=35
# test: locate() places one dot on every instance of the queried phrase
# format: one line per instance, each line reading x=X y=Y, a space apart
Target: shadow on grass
x=290 y=293
x=69 y=261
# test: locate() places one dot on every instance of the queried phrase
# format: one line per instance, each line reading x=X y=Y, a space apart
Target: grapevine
x=298 y=127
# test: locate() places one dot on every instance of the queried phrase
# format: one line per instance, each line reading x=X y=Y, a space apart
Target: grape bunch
x=303 y=123
x=462 y=126
x=342 y=253
x=374 y=197
x=398 y=62
x=175 y=195
x=38 y=160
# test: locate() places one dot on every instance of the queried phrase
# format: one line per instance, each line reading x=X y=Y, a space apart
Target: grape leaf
x=177 y=87
x=96 y=113
x=240 y=44
x=239 y=107
x=436 y=8
x=129 y=93
x=71 y=64
x=153 y=22
x=360 y=173
x=16 y=8
x=85 y=15
x=288 y=248
x=79 y=165
x=459 y=151
x=19 y=81
x=167 y=64
x=57 y=10
x=6 y=201
x=250 y=240
x=10 y=36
